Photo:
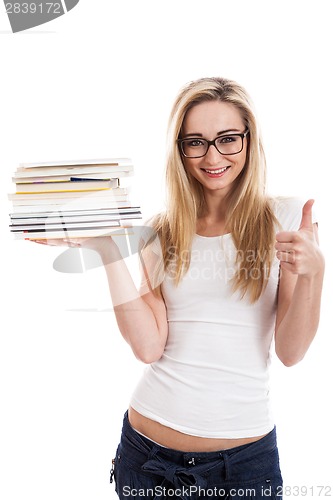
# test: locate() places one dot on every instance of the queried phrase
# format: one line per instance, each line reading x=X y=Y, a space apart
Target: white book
x=67 y=172
x=61 y=163
x=75 y=233
x=104 y=212
x=111 y=193
x=100 y=205
x=70 y=219
x=68 y=226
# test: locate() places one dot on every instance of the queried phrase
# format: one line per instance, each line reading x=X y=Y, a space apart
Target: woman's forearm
x=300 y=323
x=136 y=320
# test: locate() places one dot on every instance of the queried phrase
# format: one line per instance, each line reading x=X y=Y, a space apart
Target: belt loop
x=227 y=472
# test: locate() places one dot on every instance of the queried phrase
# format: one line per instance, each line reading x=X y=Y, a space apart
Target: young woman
x=228 y=274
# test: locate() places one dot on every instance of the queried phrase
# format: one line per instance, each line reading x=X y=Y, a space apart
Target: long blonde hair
x=250 y=217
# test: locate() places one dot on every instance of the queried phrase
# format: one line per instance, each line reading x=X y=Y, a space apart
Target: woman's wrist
x=109 y=251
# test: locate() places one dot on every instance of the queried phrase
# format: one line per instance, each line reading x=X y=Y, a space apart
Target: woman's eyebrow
x=197 y=134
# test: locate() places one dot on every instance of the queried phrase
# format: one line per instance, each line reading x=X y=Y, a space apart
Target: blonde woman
x=228 y=273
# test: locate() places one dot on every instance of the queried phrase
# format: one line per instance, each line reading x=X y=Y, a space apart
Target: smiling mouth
x=217 y=171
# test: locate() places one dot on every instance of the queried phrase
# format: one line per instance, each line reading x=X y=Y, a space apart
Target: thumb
x=306 y=222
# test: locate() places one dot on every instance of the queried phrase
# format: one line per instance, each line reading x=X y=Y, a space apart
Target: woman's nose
x=213 y=156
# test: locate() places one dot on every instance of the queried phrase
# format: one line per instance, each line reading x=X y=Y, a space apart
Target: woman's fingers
x=58 y=242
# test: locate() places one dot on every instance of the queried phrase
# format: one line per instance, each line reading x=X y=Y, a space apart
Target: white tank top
x=212 y=380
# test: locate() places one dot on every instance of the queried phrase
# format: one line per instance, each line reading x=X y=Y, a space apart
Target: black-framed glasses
x=228 y=144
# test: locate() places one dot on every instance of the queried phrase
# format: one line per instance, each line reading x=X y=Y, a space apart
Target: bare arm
x=300 y=288
x=141 y=315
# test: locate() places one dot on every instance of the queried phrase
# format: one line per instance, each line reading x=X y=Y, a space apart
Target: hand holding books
x=91 y=252
x=103 y=245
x=52 y=207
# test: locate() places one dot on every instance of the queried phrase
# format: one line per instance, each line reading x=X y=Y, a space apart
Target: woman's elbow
x=289 y=359
x=148 y=356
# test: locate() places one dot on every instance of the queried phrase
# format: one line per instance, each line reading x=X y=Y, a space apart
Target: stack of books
x=72 y=199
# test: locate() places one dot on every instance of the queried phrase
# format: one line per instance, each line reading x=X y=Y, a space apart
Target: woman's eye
x=194 y=143
x=226 y=139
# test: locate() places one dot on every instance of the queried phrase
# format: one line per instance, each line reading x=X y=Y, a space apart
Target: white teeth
x=219 y=171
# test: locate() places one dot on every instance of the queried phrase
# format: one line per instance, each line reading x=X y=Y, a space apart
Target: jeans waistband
x=144 y=444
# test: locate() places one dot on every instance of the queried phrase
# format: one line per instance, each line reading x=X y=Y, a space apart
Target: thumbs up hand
x=298 y=251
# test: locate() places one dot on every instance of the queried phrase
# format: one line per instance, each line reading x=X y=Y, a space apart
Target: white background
x=99 y=82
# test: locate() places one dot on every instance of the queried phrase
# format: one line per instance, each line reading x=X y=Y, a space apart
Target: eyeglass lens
x=228 y=145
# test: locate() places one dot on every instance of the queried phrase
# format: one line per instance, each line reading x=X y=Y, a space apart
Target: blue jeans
x=143 y=469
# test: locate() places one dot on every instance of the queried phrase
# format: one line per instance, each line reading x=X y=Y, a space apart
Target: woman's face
x=208 y=120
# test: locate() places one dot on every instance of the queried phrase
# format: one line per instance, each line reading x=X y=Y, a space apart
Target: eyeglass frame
x=213 y=143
